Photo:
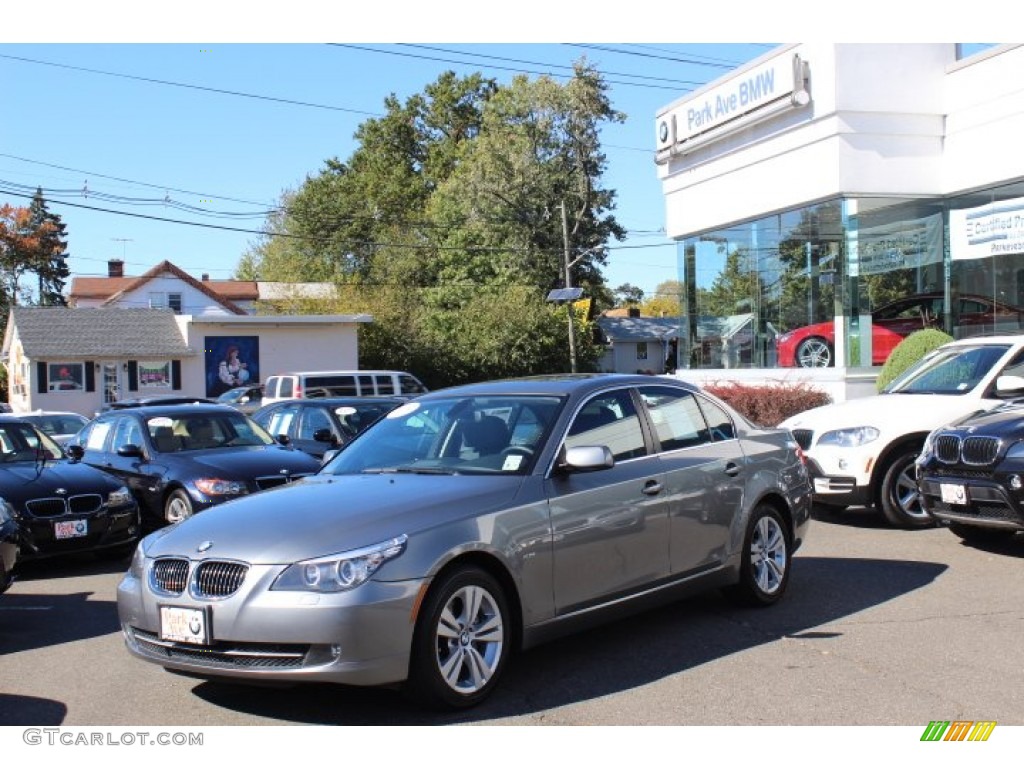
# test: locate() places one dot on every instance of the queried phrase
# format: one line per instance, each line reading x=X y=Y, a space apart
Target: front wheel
x=899 y=497
x=461 y=643
x=178 y=507
x=767 y=555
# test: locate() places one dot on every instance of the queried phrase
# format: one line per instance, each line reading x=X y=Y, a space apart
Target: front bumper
x=106 y=529
x=988 y=504
x=360 y=637
x=837 y=489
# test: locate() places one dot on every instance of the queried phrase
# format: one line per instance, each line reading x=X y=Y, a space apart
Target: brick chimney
x=206 y=278
x=115 y=268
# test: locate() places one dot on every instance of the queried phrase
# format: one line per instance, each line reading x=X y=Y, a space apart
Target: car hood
x=26 y=480
x=326 y=514
x=889 y=413
x=1003 y=422
x=245 y=462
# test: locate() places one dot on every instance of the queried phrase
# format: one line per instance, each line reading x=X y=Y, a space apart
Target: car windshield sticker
x=403 y=410
x=512 y=463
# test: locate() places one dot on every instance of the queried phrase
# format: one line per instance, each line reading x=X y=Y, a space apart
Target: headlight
x=849 y=438
x=119 y=498
x=341 y=572
x=213 y=486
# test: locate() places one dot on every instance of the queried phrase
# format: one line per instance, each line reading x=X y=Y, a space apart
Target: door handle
x=652 y=488
x=732 y=469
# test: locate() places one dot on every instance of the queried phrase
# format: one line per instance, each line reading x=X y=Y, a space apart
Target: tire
x=814 y=352
x=977 y=534
x=178 y=507
x=767 y=557
x=462 y=643
x=898 y=496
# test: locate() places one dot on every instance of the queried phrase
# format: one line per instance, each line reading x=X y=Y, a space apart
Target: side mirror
x=586 y=458
x=1007 y=384
x=284 y=439
x=324 y=435
x=75 y=452
x=130 y=449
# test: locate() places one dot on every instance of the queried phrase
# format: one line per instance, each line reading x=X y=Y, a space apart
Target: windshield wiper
x=410 y=470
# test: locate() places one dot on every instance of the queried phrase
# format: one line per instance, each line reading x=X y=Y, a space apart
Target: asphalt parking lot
x=880 y=627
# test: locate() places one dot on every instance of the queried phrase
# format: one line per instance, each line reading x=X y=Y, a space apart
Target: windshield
x=198 y=432
x=453 y=436
x=22 y=442
x=57 y=424
x=951 y=371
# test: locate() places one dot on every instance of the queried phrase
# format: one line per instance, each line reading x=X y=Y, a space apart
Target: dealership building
x=815 y=186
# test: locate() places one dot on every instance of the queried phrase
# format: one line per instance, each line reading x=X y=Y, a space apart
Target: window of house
x=641 y=350
x=157 y=300
x=65 y=377
x=174 y=302
x=155 y=373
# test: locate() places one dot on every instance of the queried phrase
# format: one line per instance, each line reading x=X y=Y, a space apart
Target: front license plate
x=70 y=529
x=953 y=493
x=184 y=625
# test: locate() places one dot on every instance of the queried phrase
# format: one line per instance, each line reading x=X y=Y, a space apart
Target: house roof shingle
x=71 y=333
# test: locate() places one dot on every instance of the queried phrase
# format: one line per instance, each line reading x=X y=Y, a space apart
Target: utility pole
x=568 y=284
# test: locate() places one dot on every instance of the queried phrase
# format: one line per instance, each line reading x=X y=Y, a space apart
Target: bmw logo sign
x=204 y=546
x=663 y=131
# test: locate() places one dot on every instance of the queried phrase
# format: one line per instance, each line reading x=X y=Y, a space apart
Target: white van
x=288 y=386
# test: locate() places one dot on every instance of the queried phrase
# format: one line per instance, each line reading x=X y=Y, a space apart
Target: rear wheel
x=899 y=497
x=767 y=555
x=461 y=644
x=814 y=352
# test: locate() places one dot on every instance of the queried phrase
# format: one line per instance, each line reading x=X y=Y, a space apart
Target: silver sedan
x=471 y=523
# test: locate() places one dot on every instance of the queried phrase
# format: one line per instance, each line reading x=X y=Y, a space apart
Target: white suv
x=862 y=452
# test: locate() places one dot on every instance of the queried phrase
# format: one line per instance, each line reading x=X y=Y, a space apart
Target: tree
x=628 y=294
x=667 y=300
x=50 y=259
x=446 y=224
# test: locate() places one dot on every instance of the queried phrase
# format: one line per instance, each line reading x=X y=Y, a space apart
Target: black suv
x=971 y=474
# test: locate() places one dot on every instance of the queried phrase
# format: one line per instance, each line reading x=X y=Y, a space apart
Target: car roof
x=176 y=410
x=347 y=400
x=557 y=385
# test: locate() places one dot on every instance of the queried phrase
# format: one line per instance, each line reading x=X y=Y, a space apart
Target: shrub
x=909 y=351
x=768 y=404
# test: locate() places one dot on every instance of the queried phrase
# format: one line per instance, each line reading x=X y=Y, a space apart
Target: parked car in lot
x=471 y=522
x=59 y=425
x=247 y=399
x=862 y=452
x=60 y=505
x=319 y=425
x=181 y=459
x=813 y=346
x=300 y=384
x=971 y=473
x=8 y=545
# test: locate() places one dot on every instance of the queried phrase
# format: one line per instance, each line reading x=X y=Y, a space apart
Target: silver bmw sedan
x=471 y=523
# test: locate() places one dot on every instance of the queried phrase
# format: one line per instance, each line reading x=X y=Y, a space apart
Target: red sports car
x=813 y=346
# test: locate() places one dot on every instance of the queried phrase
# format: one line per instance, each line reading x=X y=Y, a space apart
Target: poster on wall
x=901 y=245
x=231 y=361
x=987 y=231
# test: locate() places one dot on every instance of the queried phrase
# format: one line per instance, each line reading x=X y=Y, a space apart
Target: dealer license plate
x=184 y=625
x=70 y=529
x=953 y=493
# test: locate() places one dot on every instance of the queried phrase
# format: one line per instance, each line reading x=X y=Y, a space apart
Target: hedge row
x=769 y=404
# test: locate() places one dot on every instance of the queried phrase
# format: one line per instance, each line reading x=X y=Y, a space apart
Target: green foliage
x=908 y=352
x=450 y=222
x=769 y=404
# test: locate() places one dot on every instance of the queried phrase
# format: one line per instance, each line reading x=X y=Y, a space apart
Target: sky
x=176 y=150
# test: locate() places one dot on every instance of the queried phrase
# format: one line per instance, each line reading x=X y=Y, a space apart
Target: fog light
x=336 y=651
x=1015 y=482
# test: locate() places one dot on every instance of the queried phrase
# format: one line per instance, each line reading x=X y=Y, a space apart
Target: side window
x=365 y=385
x=312 y=420
x=285 y=387
x=97 y=436
x=609 y=419
x=410 y=385
x=719 y=422
x=385 y=385
x=280 y=421
x=676 y=417
x=126 y=432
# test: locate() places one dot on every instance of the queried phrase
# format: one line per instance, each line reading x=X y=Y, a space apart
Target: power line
x=701 y=61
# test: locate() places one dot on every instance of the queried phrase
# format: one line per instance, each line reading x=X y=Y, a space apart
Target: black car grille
x=82 y=504
x=979 y=451
x=169 y=577
x=224 y=655
x=1000 y=512
x=215 y=578
x=272 y=481
x=803 y=438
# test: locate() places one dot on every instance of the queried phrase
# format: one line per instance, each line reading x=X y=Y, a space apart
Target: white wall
x=193 y=301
